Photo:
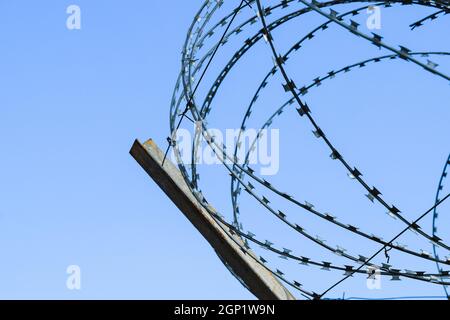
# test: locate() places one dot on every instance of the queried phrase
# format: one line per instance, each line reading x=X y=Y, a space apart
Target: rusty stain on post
x=260 y=281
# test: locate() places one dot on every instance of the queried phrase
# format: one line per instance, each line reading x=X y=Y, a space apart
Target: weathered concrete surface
x=262 y=283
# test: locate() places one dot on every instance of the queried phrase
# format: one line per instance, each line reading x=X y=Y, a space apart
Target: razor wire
x=436 y=216
x=184 y=99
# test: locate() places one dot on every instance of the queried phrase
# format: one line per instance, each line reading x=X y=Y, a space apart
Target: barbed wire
x=430 y=17
x=326 y=216
x=184 y=95
x=436 y=215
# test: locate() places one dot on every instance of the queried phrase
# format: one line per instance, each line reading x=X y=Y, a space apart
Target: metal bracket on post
x=260 y=281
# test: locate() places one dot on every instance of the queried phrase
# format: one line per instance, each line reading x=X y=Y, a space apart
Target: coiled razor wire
x=436 y=215
x=184 y=102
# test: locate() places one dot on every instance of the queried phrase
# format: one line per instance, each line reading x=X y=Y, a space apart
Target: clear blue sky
x=72 y=102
